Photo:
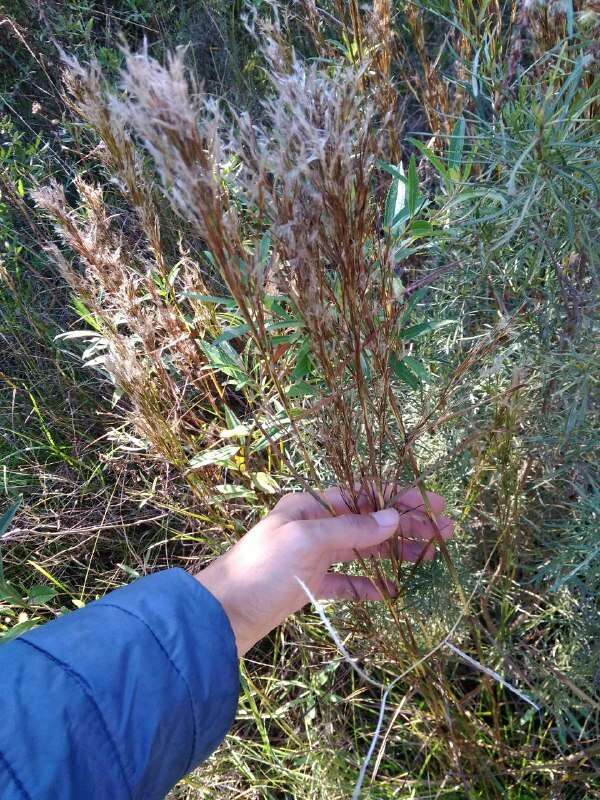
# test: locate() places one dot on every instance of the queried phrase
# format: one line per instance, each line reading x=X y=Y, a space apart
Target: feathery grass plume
x=307 y=181
x=86 y=96
x=288 y=205
x=142 y=342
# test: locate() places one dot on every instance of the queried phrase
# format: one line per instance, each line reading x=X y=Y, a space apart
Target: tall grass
x=384 y=272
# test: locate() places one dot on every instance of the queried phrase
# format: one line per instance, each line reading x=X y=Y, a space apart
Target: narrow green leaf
x=434 y=160
x=301 y=389
x=211 y=259
x=7 y=516
x=412 y=186
x=10 y=594
x=419 y=229
x=273 y=434
x=400 y=219
x=133 y=573
x=418 y=368
x=391 y=170
x=457 y=143
x=232 y=492
x=274 y=304
x=570 y=17
x=264 y=247
x=41 y=594
x=224 y=358
x=416 y=297
x=409 y=334
x=18 y=629
x=235 y=332
x=285 y=338
x=264 y=482
x=284 y=324
x=215 y=455
x=403 y=372
x=395 y=200
x=209 y=299
x=303 y=361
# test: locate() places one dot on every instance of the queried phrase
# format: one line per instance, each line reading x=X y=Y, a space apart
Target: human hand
x=256 y=581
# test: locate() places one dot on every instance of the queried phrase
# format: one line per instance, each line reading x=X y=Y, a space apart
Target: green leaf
x=215 y=455
x=224 y=358
x=265 y=483
x=211 y=259
x=7 y=516
x=434 y=160
x=416 y=297
x=235 y=332
x=457 y=143
x=86 y=315
x=231 y=419
x=395 y=172
x=403 y=372
x=18 y=629
x=133 y=573
x=232 y=492
x=418 y=368
x=409 y=334
x=41 y=594
x=303 y=361
x=400 y=219
x=274 y=304
x=301 y=389
x=264 y=247
x=284 y=324
x=395 y=200
x=273 y=434
x=209 y=299
x=9 y=593
x=579 y=409
x=285 y=338
x=420 y=229
x=570 y=17
x=412 y=187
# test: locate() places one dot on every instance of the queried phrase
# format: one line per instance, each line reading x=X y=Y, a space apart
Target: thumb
x=354 y=530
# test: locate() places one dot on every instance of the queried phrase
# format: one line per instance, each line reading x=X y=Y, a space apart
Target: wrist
x=213 y=579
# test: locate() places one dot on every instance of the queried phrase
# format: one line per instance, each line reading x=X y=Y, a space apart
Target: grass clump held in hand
x=310 y=228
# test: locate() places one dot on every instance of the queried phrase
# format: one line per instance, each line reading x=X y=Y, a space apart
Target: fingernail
x=388 y=518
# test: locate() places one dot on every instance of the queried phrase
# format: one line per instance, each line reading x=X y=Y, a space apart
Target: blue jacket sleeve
x=118 y=700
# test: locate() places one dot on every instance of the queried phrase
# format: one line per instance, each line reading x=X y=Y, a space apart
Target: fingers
x=416 y=538
x=351 y=530
x=413 y=499
x=302 y=505
x=415 y=525
x=336 y=586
